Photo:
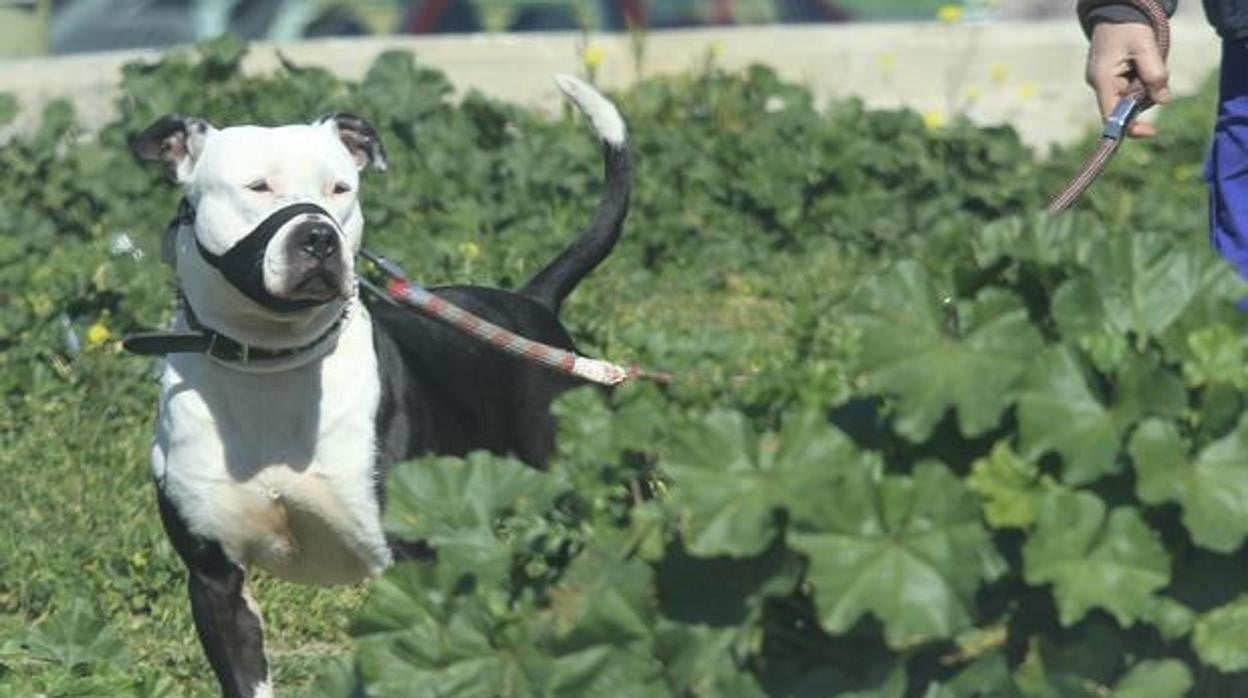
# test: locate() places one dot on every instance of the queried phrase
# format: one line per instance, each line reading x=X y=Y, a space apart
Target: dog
x=285 y=396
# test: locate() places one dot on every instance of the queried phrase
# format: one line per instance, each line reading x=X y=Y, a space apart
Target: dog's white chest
x=278 y=468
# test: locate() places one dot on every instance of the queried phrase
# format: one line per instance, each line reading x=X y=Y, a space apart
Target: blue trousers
x=1227 y=168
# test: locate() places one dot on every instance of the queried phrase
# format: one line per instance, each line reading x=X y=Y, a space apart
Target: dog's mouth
x=322 y=283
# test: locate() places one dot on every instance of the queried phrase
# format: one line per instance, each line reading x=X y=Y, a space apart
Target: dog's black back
x=446 y=393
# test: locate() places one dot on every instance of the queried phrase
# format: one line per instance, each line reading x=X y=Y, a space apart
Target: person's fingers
x=1151 y=70
x=1141 y=129
x=1108 y=88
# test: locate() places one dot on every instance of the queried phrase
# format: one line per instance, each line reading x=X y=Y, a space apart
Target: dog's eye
x=259 y=185
x=342 y=188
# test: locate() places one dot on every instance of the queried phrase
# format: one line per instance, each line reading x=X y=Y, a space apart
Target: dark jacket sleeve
x=1093 y=12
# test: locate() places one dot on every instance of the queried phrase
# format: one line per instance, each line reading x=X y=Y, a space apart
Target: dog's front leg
x=230 y=630
x=226 y=617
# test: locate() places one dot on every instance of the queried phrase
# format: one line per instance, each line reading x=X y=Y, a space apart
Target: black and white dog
x=288 y=397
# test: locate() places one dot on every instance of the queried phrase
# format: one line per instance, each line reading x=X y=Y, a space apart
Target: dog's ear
x=174 y=140
x=359 y=137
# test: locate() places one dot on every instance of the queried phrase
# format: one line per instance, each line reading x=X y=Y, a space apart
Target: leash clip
x=390 y=267
x=1122 y=115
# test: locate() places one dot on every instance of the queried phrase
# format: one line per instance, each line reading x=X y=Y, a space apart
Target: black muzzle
x=243 y=264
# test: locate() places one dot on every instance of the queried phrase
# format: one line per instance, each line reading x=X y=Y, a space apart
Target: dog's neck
x=241 y=355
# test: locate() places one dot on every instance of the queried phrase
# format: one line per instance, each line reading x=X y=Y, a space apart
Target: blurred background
x=38 y=27
x=1013 y=62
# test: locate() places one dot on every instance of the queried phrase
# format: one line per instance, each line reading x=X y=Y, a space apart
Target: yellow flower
x=716 y=49
x=973 y=93
x=593 y=56
x=886 y=61
x=933 y=119
x=998 y=73
x=1027 y=91
x=470 y=250
x=98 y=334
x=949 y=14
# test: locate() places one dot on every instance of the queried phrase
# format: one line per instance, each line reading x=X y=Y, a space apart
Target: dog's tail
x=556 y=280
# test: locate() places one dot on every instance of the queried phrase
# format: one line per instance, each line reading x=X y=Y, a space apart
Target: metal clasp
x=1122 y=115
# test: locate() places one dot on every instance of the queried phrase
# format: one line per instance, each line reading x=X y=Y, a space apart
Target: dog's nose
x=318 y=240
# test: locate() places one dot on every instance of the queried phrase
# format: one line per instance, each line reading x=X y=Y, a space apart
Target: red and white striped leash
x=400 y=289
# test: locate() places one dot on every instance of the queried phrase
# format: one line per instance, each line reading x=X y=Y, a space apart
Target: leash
x=1134 y=103
x=400 y=290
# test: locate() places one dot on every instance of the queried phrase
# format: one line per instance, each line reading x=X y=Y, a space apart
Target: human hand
x=1119 y=53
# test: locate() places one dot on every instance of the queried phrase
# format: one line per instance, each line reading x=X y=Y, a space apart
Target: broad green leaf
x=1212 y=490
x=1164 y=678
x=1140 y=283
x=1044 y=239
x=702 y=661
x=933 y=358
x=1218 y=637
x=1219 y=354
x=75 y=637
x=1113 y=562
x=1157 y=450
x=1057 y=411
x=909 y=550
x=603 y=619
x=603 y=598
x=729 y=485
x=456 y=505
x=1171 y=618
x=591 y=431
x=415 y=640
x=1009 y=486
x=986 y=676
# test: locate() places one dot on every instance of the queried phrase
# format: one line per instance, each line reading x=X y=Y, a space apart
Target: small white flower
x=121 y=245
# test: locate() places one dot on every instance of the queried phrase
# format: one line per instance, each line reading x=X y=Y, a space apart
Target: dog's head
x=276 y=211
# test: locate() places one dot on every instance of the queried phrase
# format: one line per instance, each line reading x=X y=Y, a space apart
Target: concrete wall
x=1029 y=74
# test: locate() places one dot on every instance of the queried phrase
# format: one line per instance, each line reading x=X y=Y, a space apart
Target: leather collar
x=201 y=339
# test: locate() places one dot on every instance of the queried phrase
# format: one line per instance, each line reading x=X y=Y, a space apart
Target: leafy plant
x=923 y=442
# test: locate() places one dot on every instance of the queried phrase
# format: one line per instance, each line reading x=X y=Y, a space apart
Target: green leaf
x=729 y=485
x=1057 y=411
x=1164 y=678
x=986 y=676
x=1009 y=486
x=75 y=637
x=1219 y=354
x=1218 y=637
x=415 y=640
x=1040 y=238
x=910 y=550
x=591 y=431
x=934 y=358
x=703 y=661
x=603 y=599
x=457 y=505
x=1140 y=284
x=1093 y=561
x=1212 y=490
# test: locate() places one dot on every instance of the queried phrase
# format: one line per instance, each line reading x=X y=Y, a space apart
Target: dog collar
x=201 y=339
